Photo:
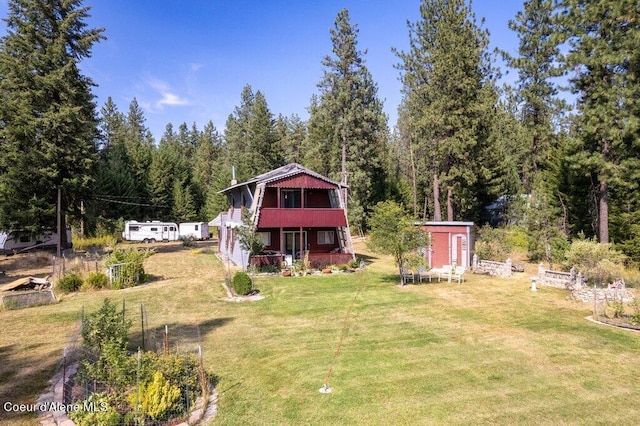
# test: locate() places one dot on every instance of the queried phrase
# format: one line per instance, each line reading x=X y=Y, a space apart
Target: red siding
x=270 y=198
x=314 y=218
x=302 y=181
x=317 y=198
x=445 y=247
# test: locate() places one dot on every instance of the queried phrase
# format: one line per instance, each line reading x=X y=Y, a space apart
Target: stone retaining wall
x=603 y=295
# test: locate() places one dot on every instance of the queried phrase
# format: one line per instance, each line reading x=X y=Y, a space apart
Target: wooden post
x=142 y=323
x=166 y=340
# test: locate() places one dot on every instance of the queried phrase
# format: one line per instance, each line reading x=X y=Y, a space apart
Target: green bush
x=106 y=324
x=492 y=244
x=158 y=399
x=100 y=412
x=353 y=263
x=97 y=280
x=598 y=262
x=87 y=243
x=182 y=371
x=242 y=284
x=132 y=272
x=70 y=283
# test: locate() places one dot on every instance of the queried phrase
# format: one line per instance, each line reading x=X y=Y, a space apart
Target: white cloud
x=167 y=96
x=170 y=99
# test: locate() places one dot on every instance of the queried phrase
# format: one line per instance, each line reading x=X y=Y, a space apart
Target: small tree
x=247 y=236
x=596 y=261
x=393 y=232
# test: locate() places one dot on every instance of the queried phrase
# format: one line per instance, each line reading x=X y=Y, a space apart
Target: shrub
x=182 y=371
x=597 y=262
x=158 y=399
x=353 y=263
x=132 y=272
x=104 y=325
x=242 y=283
x=492 y=244
x=87 y=243
x=70 y=283
x=100 y=412
x=97 y=280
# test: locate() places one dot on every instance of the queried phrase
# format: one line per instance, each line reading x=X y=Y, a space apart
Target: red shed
x=451 y=242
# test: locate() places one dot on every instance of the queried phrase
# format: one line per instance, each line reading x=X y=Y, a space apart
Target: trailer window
x=196 y=227
x=154 y=229
x=172 y=228
x=134 y=228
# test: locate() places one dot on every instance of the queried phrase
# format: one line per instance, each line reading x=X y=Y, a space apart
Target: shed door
x=459 y=250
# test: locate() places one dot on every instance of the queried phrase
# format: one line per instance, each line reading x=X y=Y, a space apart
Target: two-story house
x=296 y=212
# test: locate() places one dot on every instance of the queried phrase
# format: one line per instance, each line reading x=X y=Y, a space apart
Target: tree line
x=462 y=141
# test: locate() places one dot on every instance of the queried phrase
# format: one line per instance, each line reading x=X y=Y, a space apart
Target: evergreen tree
x=537 y=66
x=449 y=97
x=206 y=165
x=291 y=131
x=163 y=173
x=262 y=148
x=140 y=146
x=115 y=190
x=604 y=37
x=48 y=124
x=183 y=208
x=236 y=135
x=348 y=121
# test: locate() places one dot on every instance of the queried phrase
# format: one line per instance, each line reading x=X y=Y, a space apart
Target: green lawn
x=488 y=351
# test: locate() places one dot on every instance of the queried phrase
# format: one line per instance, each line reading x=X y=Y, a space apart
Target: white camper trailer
x=15 y=241
x=194 y=230
x=150 y=232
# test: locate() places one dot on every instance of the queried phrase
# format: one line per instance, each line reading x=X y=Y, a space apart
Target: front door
x=292 y=243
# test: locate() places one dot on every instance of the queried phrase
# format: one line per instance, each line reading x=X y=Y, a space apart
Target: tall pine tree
x=449 y=96
x=48 y=124
x=604 y=37
x=347 y=119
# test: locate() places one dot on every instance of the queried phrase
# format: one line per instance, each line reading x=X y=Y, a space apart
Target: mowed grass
x=488 y=351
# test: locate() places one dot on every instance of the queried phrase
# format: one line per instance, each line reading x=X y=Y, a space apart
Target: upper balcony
x=301 y=217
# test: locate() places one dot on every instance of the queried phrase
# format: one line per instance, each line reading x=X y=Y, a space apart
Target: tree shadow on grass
x=366 y=258
x=23 y=377
x=391 y=278
x=179 y=337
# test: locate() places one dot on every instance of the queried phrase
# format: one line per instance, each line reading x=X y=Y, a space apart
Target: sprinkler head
x=325 y=389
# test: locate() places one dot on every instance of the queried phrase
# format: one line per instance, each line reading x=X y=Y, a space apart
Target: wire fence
x=83 y=264
x=165 y=339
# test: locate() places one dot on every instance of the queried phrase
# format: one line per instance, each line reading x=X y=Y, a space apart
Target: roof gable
x=287 y=172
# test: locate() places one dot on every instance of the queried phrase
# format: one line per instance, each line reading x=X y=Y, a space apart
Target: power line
x=130 y=203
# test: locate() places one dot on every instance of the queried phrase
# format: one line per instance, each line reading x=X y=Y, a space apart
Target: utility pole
x=59 y=224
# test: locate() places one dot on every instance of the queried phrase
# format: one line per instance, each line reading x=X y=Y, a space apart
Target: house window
x=326 y=237
x=265 y=237
x=291 y=198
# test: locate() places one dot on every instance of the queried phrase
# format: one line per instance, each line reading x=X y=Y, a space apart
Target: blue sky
x=187 y=61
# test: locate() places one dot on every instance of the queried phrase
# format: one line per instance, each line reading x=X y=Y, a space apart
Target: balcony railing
x=302 y=217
